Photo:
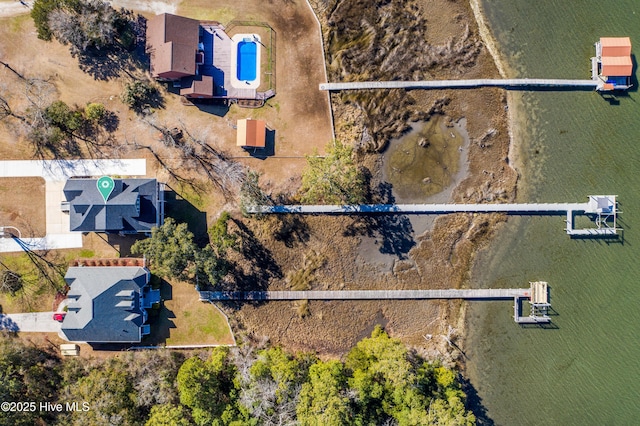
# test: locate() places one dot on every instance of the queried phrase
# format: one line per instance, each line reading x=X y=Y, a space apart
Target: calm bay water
x=573 y=144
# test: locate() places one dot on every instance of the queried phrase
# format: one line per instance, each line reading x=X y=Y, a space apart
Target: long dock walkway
x=516 y=83
x=537 y=294
x=468 y=294
x=601 y=207
x=422 y=208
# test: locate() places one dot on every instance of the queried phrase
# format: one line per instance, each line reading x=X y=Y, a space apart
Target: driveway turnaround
x=42 y=322
x=55 y=173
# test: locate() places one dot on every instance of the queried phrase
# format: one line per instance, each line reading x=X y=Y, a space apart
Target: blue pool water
x=247 y=55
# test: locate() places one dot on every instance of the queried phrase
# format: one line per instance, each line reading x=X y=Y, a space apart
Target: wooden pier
x=602 y=208
x=537 y=294
x=516 y=83
x=468 y=294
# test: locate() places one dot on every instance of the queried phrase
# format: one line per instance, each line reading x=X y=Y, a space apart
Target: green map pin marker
x=105 y=185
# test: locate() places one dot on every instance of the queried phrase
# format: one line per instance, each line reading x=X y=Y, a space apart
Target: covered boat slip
x=613 y=66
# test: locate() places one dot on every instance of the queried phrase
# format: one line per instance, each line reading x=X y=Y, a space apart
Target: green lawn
x=184 y=320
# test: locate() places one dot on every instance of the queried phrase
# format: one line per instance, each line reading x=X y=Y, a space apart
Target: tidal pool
x=425 y=161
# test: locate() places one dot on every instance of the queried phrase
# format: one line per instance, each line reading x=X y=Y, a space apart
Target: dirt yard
x=23 y=206
x=299 y=114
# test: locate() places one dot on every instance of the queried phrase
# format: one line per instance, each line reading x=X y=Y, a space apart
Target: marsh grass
x=301 y=279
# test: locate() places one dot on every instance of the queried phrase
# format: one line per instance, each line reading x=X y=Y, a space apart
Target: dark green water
x=587 y=370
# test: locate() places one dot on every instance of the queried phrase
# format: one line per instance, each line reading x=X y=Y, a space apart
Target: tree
x=389 y=386
x=323 y=399
x=251 y=195
x=26 y=374
x=379 y=368
x=153 y=375
x=139 y=94
x=40 y=14
x=334 y=178
x=82 y=24
x=210 y=268
x=208 y=388
x=60 y=115
x=271 y=394
x=170 y=249
x=109 y=391
x=219 y=235
x=11 y=282
x=169 y=415
x=174 y=254
x=95 y=112
x=87 y=24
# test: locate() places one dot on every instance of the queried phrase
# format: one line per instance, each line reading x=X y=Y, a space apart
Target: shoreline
x=513 y=103
x=513 y=106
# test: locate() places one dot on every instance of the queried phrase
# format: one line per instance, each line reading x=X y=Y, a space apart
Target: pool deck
x=218 y=48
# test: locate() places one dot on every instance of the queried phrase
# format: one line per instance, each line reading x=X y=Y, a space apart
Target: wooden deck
x=222 y=66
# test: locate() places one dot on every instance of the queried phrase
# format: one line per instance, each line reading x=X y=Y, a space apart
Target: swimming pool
x=247 y=55
x=245 y=61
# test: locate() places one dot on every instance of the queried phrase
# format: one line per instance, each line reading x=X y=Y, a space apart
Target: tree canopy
x=26 y=374
x=323 y=399
x=170 y=249
x=379 y=382
x=82 y=24
x=334 y=178
x=174 y=254
x=207 y=387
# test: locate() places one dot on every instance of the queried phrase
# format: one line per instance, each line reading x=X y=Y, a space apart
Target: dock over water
x=602 y=209
x=537 y=294
x=468 y=294
x=515 y=83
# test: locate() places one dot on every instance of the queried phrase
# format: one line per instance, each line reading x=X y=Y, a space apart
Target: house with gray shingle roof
x=134 y=206
x=108 y=304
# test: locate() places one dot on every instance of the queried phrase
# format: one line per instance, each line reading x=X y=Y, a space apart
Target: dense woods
x=380 y=381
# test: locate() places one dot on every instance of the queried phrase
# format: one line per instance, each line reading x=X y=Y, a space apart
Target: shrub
x=94 y=112
x=62 y=116
x=139 y=95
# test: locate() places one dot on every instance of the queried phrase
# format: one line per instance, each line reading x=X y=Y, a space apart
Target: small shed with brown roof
x=172 y=43
x=251 y=133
